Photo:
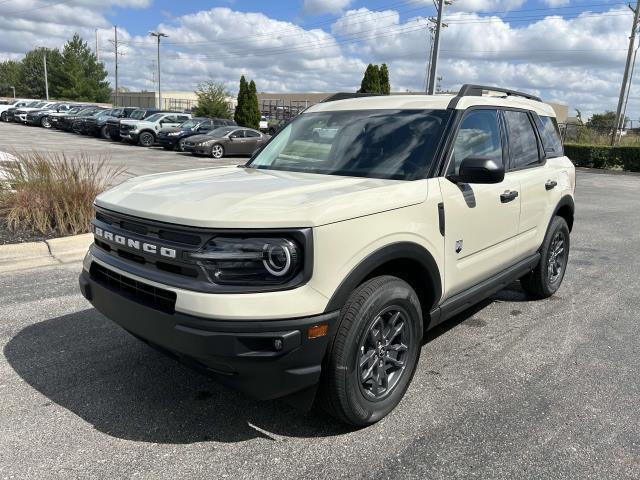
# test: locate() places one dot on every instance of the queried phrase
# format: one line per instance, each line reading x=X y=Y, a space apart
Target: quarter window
x=523 y=144
x=478 y=136
x=548 y=128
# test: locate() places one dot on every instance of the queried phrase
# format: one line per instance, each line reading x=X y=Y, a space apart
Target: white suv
x=145 y=132
x=313 y=272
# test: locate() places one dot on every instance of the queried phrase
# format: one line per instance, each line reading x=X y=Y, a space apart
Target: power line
x=15 y=12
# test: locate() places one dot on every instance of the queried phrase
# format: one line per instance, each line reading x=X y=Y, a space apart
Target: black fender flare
x=565 y=201
x=395 y=251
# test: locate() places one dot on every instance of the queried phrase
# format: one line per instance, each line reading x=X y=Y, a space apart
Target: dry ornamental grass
x=52 y=193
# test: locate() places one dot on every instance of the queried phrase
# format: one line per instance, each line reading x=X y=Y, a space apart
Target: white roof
x=431 y=102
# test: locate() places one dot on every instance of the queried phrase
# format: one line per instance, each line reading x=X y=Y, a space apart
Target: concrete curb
x=22 y=256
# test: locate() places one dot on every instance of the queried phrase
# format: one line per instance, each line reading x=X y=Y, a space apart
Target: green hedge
x=599 y=156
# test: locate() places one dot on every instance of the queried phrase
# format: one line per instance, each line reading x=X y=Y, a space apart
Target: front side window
x=390 y=144
x=155 y=117
x=523 y=144
x=251 y=134
x=478 y=136
x=548 y=128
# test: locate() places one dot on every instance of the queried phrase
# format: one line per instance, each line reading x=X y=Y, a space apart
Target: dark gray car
x=226 y=141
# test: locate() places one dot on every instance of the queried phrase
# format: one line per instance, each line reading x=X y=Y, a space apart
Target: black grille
x=148 y=295
x=126 y=127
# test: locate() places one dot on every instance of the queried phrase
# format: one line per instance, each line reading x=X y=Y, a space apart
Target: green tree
x=602 y=120
x=31 y=80
x=82 y=77
x=254 y=107
x=212 y=100
x=10 y=74
x=371 y=80
x=385 y=86
x=241 y=114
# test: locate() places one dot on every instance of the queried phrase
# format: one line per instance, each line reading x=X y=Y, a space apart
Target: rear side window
x=478 y=136
x=548 y=128
x=523 y=144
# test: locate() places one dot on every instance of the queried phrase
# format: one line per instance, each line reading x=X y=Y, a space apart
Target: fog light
x=317 y=331
x=277 y=344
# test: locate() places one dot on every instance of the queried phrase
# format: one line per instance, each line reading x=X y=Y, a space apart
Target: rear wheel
x=217 y=151
x=546 y=278
x=375 y=352
x=146 y=139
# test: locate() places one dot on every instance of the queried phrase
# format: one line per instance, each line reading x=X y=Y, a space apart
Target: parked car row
x=216 y=137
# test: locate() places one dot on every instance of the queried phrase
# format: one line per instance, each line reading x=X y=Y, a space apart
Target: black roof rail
x=347 y=95
x=469 y=90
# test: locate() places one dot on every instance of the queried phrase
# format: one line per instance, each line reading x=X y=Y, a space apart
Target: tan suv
x=313 y=272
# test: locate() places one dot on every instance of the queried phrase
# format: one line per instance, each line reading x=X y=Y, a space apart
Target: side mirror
x=479 y=170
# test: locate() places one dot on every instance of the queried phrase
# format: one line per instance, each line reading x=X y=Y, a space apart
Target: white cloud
x=319 y=7
x=556 y=3
x=578 y=61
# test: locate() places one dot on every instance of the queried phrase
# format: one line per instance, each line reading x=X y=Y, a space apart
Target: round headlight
x=279 y=257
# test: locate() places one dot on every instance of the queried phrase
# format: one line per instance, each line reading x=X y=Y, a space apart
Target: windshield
x=155 y=117
x=74 y=110
x=392 y=144
x=190 y=124
x=221 y=131
x=86 y=111
x=137 y=114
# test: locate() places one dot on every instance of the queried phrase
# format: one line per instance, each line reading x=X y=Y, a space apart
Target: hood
x=201 y=138
x=171 y=130
x=232 y=197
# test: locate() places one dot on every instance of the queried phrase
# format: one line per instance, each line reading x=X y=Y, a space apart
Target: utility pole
x=625 y=77
x=97 y=47
x=46 y=79
x=158 y=35
x=436 y=50
x=115 y=44
x=626 y=100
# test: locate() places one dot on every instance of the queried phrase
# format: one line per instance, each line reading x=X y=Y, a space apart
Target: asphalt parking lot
x=513 y=388
x=133 y=159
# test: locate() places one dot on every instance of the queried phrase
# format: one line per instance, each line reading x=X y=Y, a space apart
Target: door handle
x=508 y=196
x=550 y=185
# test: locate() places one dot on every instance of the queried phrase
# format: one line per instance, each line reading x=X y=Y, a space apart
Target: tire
x=360 y=345
x=180 y=145
x=547 y=277
x=217 y=151
x=44 y=122
x=3 y=116
x=104 y=133
x=146 y=139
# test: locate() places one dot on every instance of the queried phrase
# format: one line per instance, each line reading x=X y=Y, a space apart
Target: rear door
x=252 y=141
x=481 y=219
x=538 y=179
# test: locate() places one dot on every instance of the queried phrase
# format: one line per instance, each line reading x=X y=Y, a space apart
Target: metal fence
x=590 y=135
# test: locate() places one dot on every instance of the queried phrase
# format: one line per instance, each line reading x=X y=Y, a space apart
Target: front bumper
x=21 y=118
x=129 y=135
x=241 y=354
x=198 y=149
x=168 y=141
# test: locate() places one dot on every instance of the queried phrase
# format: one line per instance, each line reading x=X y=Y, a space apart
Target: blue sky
x=569 y=51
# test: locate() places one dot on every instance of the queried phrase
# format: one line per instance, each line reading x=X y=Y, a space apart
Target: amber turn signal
x=318 y=331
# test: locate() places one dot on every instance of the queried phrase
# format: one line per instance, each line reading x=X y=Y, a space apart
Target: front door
x=481 y=219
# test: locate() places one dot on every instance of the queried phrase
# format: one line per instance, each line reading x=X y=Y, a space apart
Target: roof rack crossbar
x=347 y=95
x=469 y=90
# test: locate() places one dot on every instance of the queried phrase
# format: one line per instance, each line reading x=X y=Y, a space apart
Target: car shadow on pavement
x=88 y=365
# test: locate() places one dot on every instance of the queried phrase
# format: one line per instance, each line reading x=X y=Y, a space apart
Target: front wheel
x=217 y=151
x=374 y=354
x=104 y=133
x=546 y=278
x=180 y=145
x=45 y=123
x=146 y=139
x=3 y=116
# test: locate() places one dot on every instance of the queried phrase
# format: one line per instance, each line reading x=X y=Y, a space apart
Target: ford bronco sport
x=313 y=271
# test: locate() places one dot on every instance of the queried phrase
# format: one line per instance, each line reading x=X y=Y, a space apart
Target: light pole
x=46 y=79
x=158 y=35
x=14 y=91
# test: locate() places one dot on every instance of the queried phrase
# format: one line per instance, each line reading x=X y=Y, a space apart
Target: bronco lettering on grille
x=134 y=244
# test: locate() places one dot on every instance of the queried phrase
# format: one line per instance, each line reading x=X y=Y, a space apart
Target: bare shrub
x=53 y=193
